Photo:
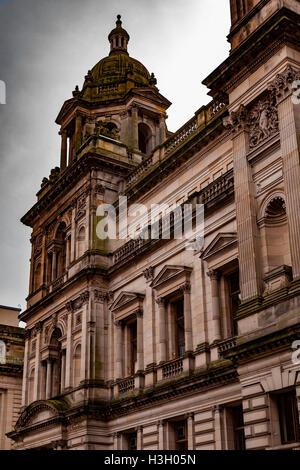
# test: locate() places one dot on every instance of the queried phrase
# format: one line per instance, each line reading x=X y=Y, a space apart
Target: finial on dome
x=118 y=37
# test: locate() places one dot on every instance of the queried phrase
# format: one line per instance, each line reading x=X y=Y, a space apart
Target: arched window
x=62 y=249
x=276 y=234
x=81 y=242
x=77 y=366
x=145 y=136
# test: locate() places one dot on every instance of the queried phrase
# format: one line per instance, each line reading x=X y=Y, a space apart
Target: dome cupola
x=118 y=38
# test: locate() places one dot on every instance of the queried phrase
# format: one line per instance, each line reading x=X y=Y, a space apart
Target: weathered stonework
x=150 y=336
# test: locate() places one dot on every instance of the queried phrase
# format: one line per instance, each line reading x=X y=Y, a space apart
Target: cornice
x=281 y=28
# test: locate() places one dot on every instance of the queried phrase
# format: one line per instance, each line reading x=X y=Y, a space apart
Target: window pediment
x=171 y=278
x=221 y=242
x=126 y=304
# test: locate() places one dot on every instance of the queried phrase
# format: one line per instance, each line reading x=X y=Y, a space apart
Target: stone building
x=11 y=371
x=141 y=343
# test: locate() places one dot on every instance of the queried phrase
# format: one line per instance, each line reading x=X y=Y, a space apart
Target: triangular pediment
x=124 y=299
x=220 y=242
x=167 y=273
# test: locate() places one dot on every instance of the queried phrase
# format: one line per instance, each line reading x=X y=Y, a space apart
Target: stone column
x=73 y=232
x=190 y=431
x=63 y=151
x=150 y=346
x=162 y=129
x=140 y=349
x=247 y=230
x=139 y=438
x=188 y=336
x=100 y=352
x=63 y=371
x=162 y=347
x=118 y=350
x=78 y=132
x=36 y=385
x=288 y=105
x=134 y=127
x=215 y=321
x=218 y=427
x=84 y=336
x=49 y=379
x=69 y=352
x=161 y=435
x=25 y=370
x=116 y=437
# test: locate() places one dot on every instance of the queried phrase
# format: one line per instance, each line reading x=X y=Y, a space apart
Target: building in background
x=143 y=344
x=11 y=371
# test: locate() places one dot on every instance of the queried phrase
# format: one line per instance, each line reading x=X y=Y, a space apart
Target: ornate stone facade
x=171 y=348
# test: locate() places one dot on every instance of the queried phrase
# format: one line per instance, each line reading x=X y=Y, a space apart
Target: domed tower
x=119 y=99
x=107 y=128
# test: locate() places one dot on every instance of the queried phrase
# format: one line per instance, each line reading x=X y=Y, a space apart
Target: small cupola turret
x=118 y=38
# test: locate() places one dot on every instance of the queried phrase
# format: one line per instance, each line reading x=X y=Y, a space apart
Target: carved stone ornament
x=283 y=83
x=260 y=120
x=149 y=273
x=77 y=303
x=263 y=122
x=100 y=295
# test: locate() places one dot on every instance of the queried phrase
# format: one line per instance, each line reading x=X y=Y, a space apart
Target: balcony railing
x=181 y=135
x=172 y=368
x=126 y=385
x=211 y=110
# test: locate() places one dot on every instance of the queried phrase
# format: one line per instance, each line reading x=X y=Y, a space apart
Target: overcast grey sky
x=46 y=48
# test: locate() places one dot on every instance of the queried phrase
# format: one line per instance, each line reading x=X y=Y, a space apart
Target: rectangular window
x=133 y=346
x=132 y=441
x=179 y=327
x=288 y=417
x=179 y=439
x=235 y=427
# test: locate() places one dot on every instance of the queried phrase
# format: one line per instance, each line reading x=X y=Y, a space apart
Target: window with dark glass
x=180 y=435
x=132 y=441
x=133 y=346
x=235 y=427
x=288 y=417
x=179 y=327
x=238 y=427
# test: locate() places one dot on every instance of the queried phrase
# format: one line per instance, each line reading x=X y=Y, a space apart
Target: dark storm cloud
x=46 y=48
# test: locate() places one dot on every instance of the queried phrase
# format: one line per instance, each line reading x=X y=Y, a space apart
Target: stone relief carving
x=260 y=121
x=263 y=122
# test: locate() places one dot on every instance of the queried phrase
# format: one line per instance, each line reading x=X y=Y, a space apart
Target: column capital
x=186 y=287
x=117 y=323
x=237 y=121
x=27 y=334
x=139 y=313
x=284 y=85
x=161 y=301
x=214 y=274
